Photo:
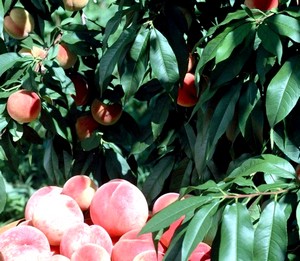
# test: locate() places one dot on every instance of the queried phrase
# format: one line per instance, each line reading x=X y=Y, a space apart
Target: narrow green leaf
x=2 y=193
x=174 y=211
x=285 y=25
x=8 y=60
x=270 y=238
x=266 y=163
x=198 y=228
x=283 y=91
x=237 y=234
x=162 y=59
x=298 y=217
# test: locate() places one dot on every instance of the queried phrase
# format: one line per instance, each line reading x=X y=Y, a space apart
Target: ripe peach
x=90 y=252
x=201 y=253
x=36 y=196
x=106 y=114
x=24 y=243
x=187 y=92
x=55 y=214
x=119 y=206
x=75 y=5
x=81 y=89
x=24 y=106
x=65 y=57
x=85 y=125
x=132 y=244
x=160 y=203
x=35 y=51
x=82 y=234
x=149 y=255
x=19 y=23
x=81 y=188
x=59 y=257
x=262 y=5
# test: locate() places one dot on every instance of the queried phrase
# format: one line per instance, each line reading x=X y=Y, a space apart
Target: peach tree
x=234 y=151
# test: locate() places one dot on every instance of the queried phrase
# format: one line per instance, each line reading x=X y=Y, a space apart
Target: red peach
x=55 y=214
x=160 y=203
x=90 y=252
x=36 y=196
x=187 y=92
x=19 y=23
x=65 y=57
x=262 y=5
x=24 y=243
x=119 y=206
x=75 y=5
x=85 y=125
x=149 y=255
x=24 y=106
x=106 y=114
x=59 y=257
x=81 y=89
x=82 y=234
x=201 y=253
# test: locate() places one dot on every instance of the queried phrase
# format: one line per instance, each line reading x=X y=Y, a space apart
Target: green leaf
x=283 y=91
x=8 y=60
x=298 y=216
x=162 y=59
x=2 y=193
x=285 y=25
x=270 y=238
x=174 y=211
x=198 y=228
x=266 y=163
x=237 y=234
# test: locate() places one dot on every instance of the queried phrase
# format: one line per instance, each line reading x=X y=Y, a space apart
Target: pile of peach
x=81 y=221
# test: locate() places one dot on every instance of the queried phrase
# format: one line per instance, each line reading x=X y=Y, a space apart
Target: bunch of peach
x=83 y=221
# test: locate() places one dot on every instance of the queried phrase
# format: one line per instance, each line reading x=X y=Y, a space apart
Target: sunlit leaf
x=2 y=193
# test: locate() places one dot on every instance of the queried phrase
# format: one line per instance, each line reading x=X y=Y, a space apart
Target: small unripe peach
x=65 y=57
x=35 y=51
x=75 y=5
x=106 y=114
x=23 y=106
x=263 y=5
x=19 y=23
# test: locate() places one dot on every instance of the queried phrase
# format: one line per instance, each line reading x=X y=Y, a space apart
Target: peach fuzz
x=149 y=255
x=75 y=5
x=24 y=106
x=90 y=252
x=55 y=214
x=187 y=92
x=159 y=204
x=85 y=126
x=81 y=89
x=201 y=253
x=264 y=5
x=59 y=257
x=106 y=114
x=36 y=196
x=24 y=243
x=119 y=206
x=35 y=51
x=82 y=234
x=19 y=23
x=81 y=188
x=132 y=244
x=65 y=57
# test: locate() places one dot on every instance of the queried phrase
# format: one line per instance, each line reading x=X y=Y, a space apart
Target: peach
x=90 y=252
x=82 y=234
x=149 y=255
x=35 y=51
x=132 y=244
x=81 y=188
x=262 y=5
x=160 y=203
x=106 y=114
x=65 y=57
x=59 y=257
x=24 y=106
x=85 y=126
x=36 y=196
x=81 y=89
x=19 y=23
x=24 y=243
x=55 y=214
x=201 y=253
x=187 y=92
x=75 y=5
x=119 y=206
